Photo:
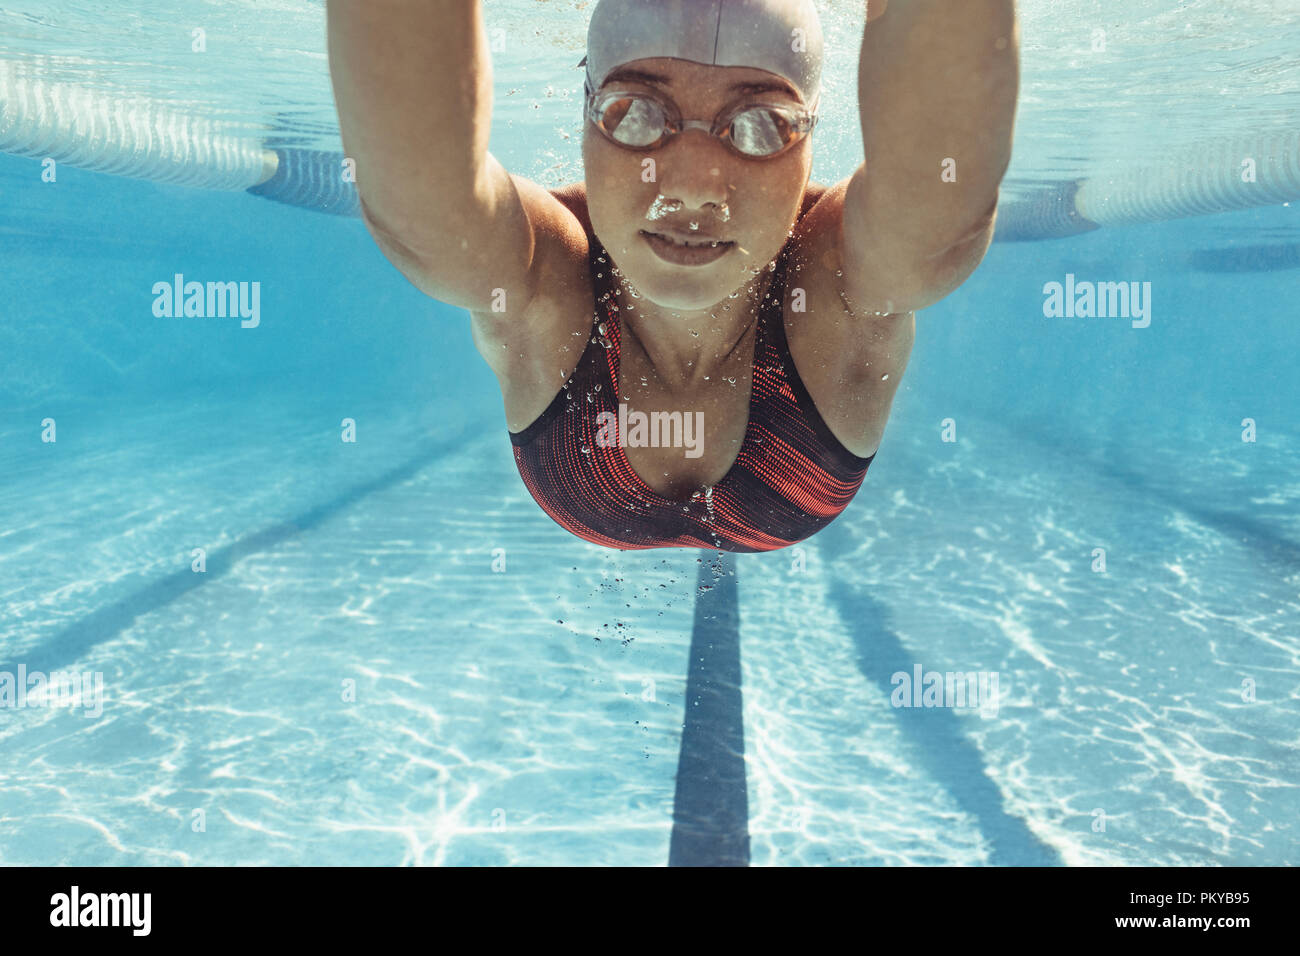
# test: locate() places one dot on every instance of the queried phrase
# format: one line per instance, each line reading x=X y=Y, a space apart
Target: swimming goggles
x=644 y=121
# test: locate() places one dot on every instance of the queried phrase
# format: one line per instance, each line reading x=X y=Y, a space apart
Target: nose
x=693 y=174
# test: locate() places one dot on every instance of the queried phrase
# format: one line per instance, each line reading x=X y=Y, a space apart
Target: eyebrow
x=641 y=76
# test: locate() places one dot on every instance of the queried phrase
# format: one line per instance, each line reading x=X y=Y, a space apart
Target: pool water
x=393 y=656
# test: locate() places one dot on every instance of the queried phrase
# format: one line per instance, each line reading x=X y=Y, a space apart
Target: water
x=393 y=656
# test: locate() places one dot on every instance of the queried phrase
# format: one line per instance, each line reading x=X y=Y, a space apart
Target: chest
x=680 y=442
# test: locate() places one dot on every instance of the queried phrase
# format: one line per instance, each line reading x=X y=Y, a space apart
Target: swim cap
x=755 y=33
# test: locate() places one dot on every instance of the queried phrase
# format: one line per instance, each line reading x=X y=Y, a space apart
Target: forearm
x=413 y=86
x=937 y=88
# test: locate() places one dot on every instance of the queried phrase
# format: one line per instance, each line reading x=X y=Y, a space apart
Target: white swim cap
x=781 y=36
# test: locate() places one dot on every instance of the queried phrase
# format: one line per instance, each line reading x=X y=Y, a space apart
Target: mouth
x=692 y=252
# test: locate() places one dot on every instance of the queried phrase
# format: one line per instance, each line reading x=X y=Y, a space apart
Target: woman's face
x=750 y=202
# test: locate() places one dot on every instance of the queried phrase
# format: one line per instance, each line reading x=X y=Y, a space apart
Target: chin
x=687 y=288
x=673 y=287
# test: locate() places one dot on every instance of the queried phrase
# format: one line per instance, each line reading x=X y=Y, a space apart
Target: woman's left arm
x=937 y=88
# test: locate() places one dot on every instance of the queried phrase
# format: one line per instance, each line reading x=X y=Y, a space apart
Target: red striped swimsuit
x=791 y=478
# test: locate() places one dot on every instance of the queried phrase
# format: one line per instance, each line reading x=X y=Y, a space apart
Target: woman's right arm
x=413 y=86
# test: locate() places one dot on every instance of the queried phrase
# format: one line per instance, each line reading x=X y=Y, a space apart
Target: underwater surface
x=393 y=656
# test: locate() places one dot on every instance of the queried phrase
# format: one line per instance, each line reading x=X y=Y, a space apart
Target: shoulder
x=574 y=198
x=823 y=273
x=850 y=362
x=525 y=349
x=812 y=195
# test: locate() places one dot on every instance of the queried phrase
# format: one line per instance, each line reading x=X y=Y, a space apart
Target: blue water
x=393 y=656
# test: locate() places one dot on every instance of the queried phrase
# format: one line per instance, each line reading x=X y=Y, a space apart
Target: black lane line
x=938 y=741
x=711 y=805
x=108 y=622
x=1244 y=529
x=1248 y=530
x=1252 y=531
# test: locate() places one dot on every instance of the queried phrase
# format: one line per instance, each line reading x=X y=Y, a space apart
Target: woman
x=750 y=330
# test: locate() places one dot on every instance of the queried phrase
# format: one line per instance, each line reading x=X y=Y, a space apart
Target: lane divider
x=133 y=137
x=1225 y=175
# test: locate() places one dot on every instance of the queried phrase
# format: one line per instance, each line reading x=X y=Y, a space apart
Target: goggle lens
x=641 y=122
x=761 y=132
x=635 y=121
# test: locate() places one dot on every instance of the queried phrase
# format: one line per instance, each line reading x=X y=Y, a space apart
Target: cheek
x=614 y=187
x=782 y=194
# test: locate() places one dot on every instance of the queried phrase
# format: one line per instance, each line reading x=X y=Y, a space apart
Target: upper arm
x=869 y=274
x=413 y=88
x=937 y=89
x=884 y=274
x=487 y=253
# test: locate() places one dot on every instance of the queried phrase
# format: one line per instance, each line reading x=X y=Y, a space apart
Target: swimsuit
x=791 y=478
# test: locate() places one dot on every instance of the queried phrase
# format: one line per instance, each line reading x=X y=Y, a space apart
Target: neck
x=684 y=348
